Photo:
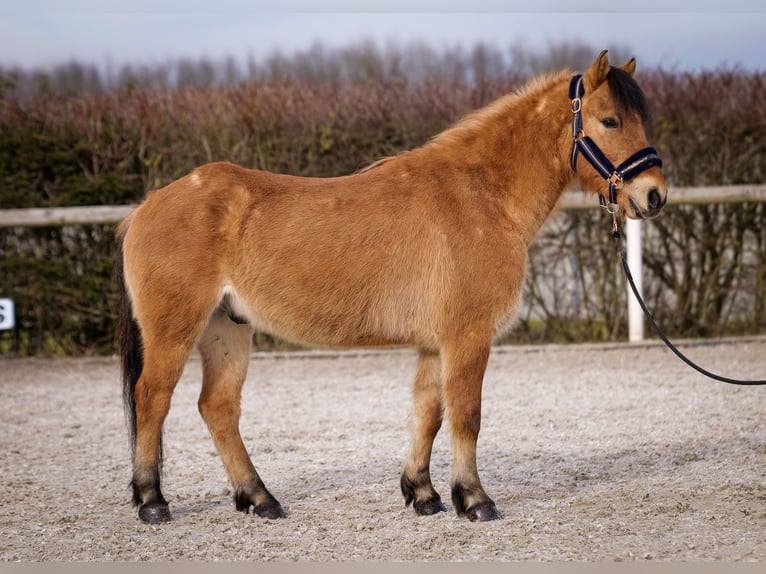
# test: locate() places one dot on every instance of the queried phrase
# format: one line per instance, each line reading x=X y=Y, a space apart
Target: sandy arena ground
x=605 y=452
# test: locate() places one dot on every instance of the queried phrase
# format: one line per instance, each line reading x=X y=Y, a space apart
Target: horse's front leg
x=425 y=423
x=465 y=361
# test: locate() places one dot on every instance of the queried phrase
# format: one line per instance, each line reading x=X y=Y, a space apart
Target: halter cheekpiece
x=635 y=164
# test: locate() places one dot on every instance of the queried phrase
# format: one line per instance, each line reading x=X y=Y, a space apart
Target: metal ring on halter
x=615 y=180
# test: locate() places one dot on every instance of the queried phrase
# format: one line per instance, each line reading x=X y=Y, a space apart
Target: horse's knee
x=217 y=415
x=463 y=380
x=465 y=423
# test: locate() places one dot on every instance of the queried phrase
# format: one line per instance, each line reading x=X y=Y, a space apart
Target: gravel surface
x=591 y=452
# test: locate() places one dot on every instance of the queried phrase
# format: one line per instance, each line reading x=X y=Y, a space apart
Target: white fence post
x=635 y=315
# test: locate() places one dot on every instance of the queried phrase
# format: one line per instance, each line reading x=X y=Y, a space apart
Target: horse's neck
x=520 y=144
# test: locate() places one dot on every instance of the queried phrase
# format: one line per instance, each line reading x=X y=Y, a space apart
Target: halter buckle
x=615 y=180
x=576 y=106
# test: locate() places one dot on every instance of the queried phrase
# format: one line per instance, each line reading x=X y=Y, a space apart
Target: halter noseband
x=635 y=164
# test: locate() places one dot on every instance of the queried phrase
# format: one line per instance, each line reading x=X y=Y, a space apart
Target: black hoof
x=154 y=513
x=483 y=513
x=426 y=507
x=429 y=507
x=271 y=510
x=483 y=510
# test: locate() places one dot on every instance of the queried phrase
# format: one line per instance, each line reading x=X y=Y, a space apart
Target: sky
x=42 y=33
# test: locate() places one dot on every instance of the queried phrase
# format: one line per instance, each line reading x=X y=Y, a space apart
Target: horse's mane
x=503 y=106
x=474 y=121
x=381 y=161
x=626 y=93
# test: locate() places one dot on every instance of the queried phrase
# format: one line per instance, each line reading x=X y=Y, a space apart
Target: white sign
x=7 y=316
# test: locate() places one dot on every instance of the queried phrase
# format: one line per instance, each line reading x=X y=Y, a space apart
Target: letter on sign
x=7 y=317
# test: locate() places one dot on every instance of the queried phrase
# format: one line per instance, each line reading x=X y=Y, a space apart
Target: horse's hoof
x=270 y=510
x=154 y=513
x=429 y=507
x=483 y=513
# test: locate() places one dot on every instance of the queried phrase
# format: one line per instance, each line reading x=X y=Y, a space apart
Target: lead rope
x=616 y=235
x=635 y=164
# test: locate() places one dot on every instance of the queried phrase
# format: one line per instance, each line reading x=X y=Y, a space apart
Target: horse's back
x=323 y=261
x=343 y=261
x=370 y=259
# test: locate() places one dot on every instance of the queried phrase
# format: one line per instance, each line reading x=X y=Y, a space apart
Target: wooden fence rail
x=54 y=216
x=572 y=200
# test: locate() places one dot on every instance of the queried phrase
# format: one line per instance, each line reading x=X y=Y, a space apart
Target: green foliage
x=706 y=265
x=61 y=280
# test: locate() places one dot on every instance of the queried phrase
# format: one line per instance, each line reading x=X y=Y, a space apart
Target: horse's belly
x=345 y=321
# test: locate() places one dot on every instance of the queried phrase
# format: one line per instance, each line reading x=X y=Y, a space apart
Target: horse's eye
x=610 y=123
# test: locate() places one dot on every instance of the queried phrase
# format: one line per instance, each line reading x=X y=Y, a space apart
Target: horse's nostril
x=654 y=199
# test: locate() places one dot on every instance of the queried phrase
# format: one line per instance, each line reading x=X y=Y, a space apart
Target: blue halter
x=635 y=164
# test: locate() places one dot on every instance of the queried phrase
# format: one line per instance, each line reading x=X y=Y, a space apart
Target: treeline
x=363 y=62
x=705 y=265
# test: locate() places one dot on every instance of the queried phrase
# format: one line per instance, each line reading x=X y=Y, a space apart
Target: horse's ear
x=597 y=72
x=629 y=66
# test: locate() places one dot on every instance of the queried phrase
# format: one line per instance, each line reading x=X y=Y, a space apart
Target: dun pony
x=427 y=249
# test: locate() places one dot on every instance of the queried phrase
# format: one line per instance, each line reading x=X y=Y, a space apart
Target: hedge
x=705 y=265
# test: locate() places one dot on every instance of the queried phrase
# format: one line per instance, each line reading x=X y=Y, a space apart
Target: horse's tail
x=129 y=341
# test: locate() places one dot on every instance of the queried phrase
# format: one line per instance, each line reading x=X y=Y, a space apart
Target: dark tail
x=129 y=341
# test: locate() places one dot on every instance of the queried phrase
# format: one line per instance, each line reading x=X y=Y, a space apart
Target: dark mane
x=628 y=96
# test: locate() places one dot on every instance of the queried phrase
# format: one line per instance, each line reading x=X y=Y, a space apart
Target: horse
x=427 y=249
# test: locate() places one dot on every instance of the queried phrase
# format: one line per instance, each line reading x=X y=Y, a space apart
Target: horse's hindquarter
x=370 y=259
x=175 y=246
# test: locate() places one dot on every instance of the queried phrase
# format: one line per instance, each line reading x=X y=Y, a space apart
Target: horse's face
x=615 y=117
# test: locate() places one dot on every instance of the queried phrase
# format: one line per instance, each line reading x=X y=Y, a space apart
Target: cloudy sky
x=39 y=33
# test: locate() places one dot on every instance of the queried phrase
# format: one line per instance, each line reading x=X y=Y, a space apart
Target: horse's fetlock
x=421 y=494
x=136 y=496
x=152 y=506
x=458 y=498
x=256 y=495
x=242 y=501
x=408 y=489
x=473 y=503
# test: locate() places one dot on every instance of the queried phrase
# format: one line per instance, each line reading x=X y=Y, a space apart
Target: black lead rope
x=615 y=176
x=656 y=328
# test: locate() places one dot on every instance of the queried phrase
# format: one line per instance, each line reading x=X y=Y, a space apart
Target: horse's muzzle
x=655 y=201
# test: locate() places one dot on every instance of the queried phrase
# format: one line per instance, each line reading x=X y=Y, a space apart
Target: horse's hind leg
x=425 y=423
x=225 y=350
x=162 y=367
x=170 y=323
